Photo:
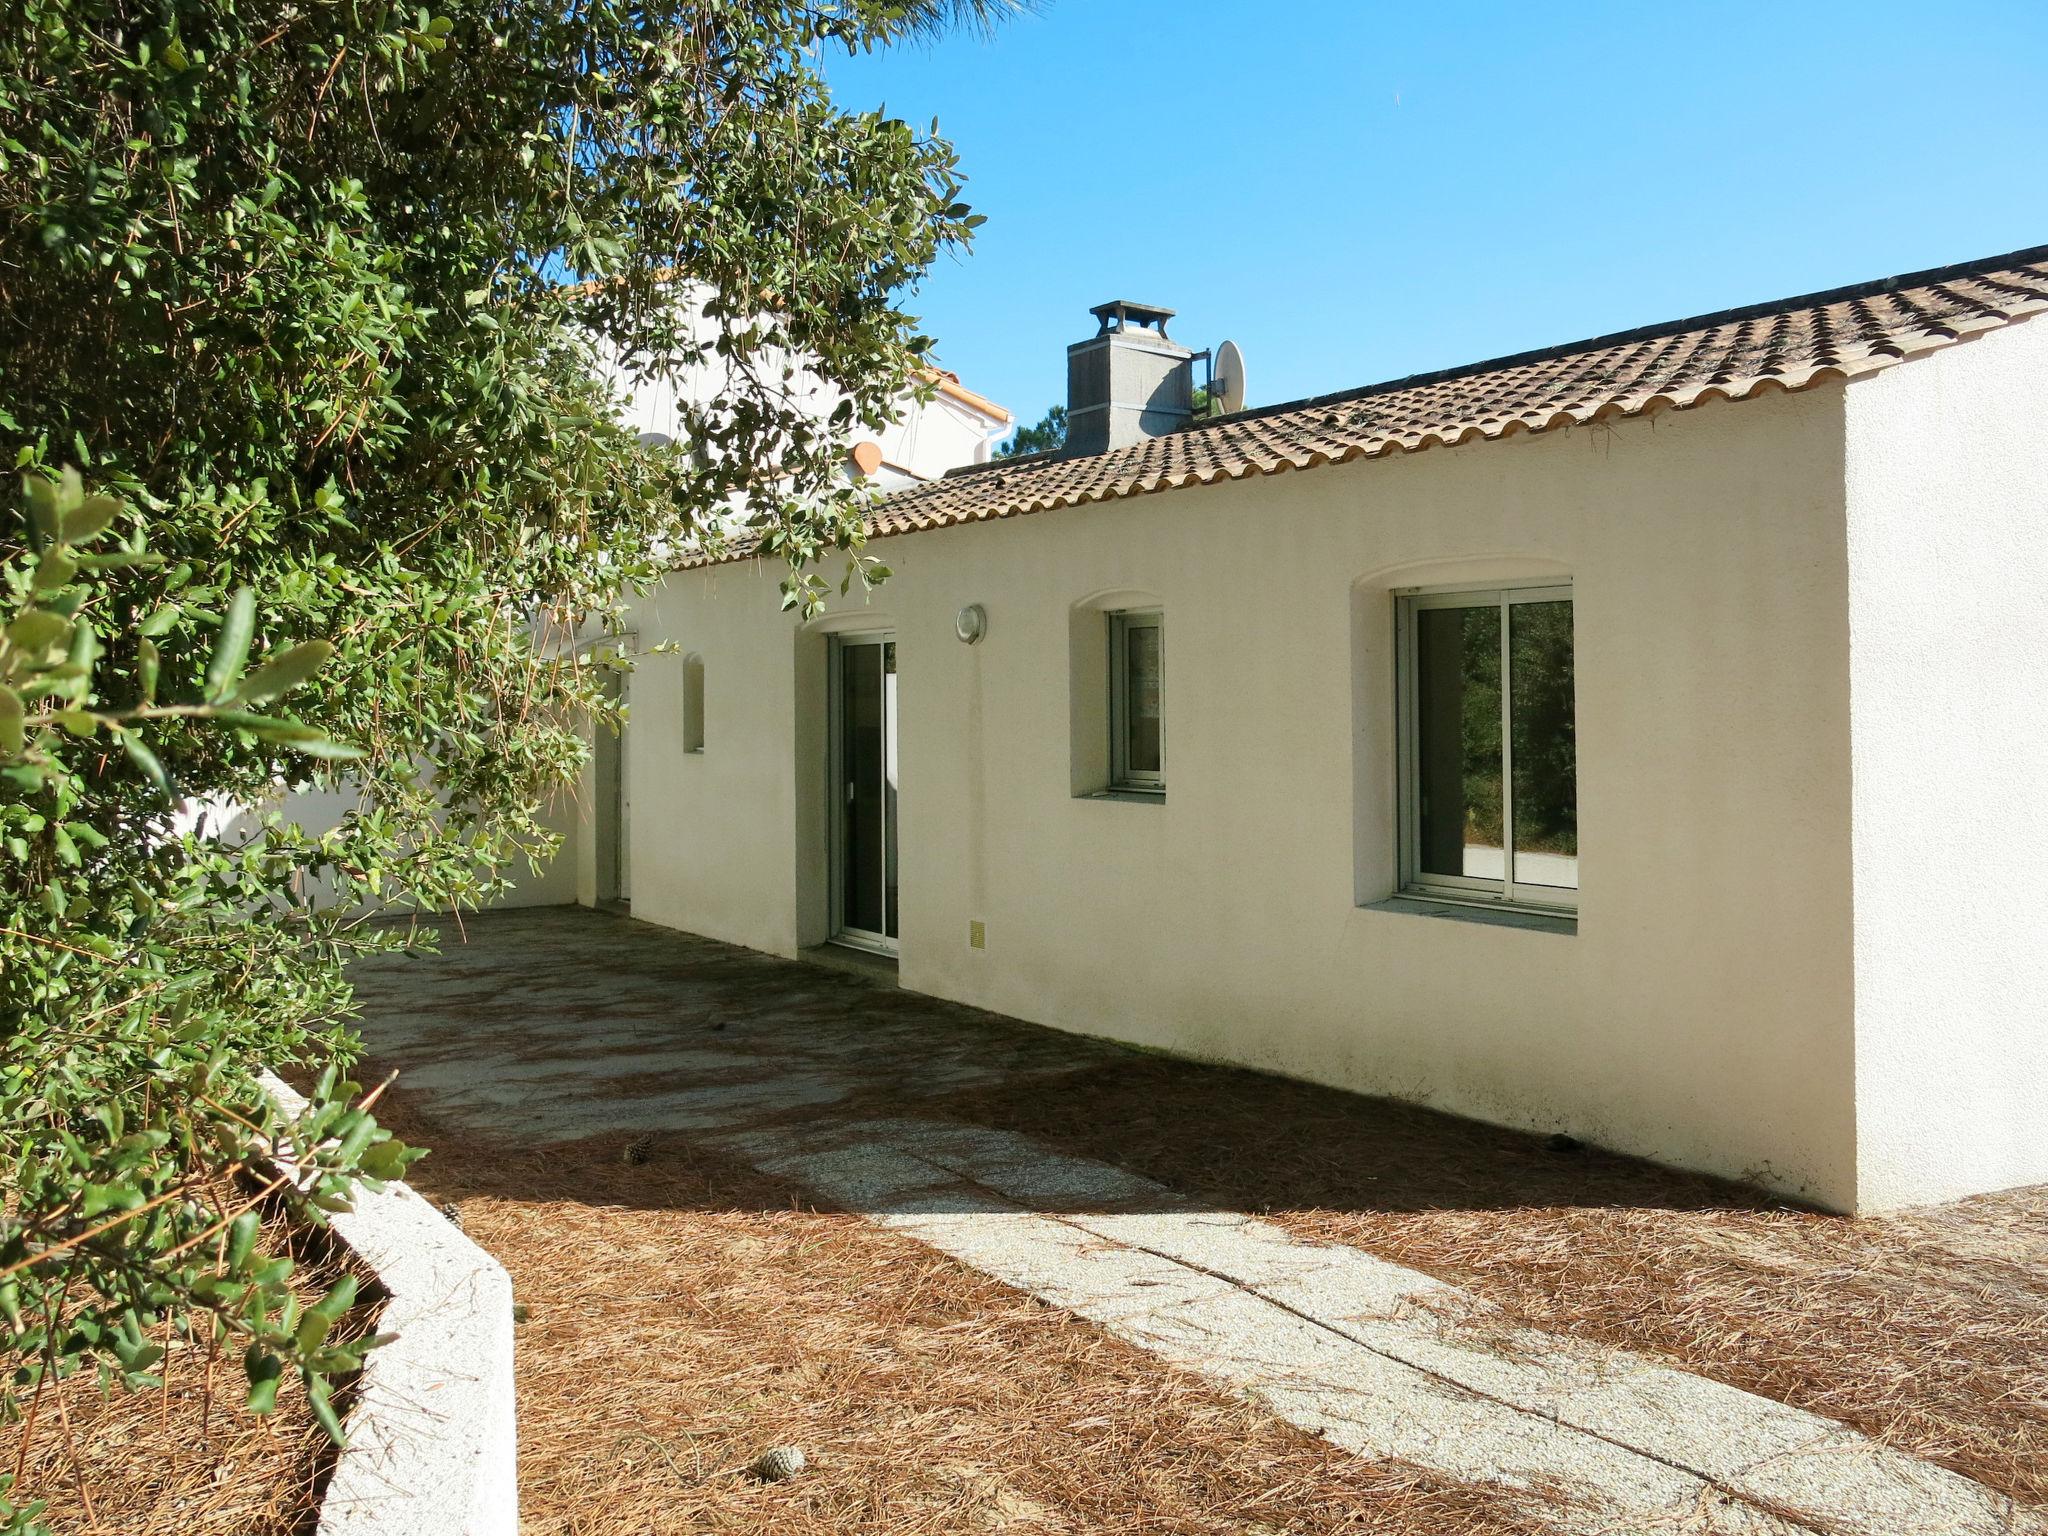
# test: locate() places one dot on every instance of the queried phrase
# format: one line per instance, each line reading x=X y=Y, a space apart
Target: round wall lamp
x=971 y=623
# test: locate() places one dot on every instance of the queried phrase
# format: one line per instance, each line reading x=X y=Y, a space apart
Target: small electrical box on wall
x=977 y=934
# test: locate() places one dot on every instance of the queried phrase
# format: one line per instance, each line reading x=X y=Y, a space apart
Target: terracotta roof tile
x=1737 y=354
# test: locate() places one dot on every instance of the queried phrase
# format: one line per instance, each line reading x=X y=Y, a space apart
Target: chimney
x=1127 y=382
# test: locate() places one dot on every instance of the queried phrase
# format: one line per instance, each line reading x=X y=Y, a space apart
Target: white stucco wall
x=1701 y=1013
x=317 y=811
x=1947 y=476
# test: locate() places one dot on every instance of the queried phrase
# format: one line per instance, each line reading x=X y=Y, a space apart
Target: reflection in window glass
x=863 y=739
x=1545 y=744
x=1490 y=800
x=1141 y=693
x=1457 y=739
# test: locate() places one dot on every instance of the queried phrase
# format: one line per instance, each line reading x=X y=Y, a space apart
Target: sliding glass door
x=864 y=791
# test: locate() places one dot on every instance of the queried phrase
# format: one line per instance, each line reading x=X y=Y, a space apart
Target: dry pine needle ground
x=686 y=1313
x=185 y=1460
x=1927 y=1330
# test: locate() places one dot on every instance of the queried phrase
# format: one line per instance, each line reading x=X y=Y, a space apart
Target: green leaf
x=332 y=751
x=319 y=1397
x=281 y=674
x=42 y=507
x=37 y=630
x=11 y=722
x=89 y=519
x=264 y=1370
x=231 y=650
x=281 y=728
x=242 y=1241
x=338 y=1300
x=84 y=651
x=146 y=760
x=55 y=568
x=101 y=1198
x=385 y=1160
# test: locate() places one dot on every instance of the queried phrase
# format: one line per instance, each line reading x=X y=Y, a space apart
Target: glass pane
x=1141 y=691
x=861 y=786
x=889 y=788
x=1545 y=743
x=693 y=703
x=1457 y=740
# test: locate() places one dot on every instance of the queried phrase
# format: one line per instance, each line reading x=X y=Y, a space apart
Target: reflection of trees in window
x=1482 y=729
x=1545 y=739
x=1473 y=729
x=1458 y=731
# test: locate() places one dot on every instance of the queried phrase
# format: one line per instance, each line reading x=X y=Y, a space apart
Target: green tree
x=1050 y=433
x=312 y=295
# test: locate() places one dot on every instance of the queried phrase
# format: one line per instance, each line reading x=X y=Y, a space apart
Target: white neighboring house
x=1195 y=735
x=956 y=427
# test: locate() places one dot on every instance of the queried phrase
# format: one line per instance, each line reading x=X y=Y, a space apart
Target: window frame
x=693 y=704
x=1122 y=776
x=1503 y=894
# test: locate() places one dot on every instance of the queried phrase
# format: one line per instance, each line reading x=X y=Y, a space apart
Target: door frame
x=611 y=806
x=835 y=790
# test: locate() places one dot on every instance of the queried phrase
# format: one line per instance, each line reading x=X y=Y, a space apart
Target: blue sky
x=1353 y=191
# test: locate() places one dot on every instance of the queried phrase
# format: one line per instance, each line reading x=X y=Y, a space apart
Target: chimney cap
x=1118 y=314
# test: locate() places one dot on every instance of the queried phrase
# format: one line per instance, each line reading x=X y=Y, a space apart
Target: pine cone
x=778 y=1464
x=637 y=1150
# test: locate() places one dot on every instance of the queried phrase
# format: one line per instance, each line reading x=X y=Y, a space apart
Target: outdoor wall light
x=971 y=623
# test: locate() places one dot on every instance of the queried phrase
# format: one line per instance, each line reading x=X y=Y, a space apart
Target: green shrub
x=311 y=295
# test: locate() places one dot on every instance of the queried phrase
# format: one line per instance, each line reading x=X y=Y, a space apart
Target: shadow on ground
x=560 y=1023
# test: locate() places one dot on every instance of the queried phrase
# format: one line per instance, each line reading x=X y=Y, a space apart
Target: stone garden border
x=432 y=1440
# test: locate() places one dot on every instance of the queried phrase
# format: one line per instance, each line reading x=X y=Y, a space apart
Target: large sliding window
x=1137 y=682
x=1489 y=759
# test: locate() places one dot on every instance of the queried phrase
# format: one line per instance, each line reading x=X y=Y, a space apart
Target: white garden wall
x=432 y=1439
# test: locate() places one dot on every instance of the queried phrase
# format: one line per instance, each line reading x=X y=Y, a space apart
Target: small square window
x=1489 y=752
x=1137 y=683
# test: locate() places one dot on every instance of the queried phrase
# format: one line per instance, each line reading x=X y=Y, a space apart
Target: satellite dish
x=1226 y=378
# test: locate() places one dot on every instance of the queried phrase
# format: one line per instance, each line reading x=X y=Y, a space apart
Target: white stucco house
x=1635 y=738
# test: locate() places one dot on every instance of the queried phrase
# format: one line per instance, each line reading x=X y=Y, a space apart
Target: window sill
x=1129 y=796
x=1465 y=912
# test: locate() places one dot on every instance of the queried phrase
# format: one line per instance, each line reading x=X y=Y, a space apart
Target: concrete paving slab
x=1379 y=1407
x=1257 y=1254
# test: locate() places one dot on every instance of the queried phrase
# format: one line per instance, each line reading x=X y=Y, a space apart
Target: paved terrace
x=559 y=1024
